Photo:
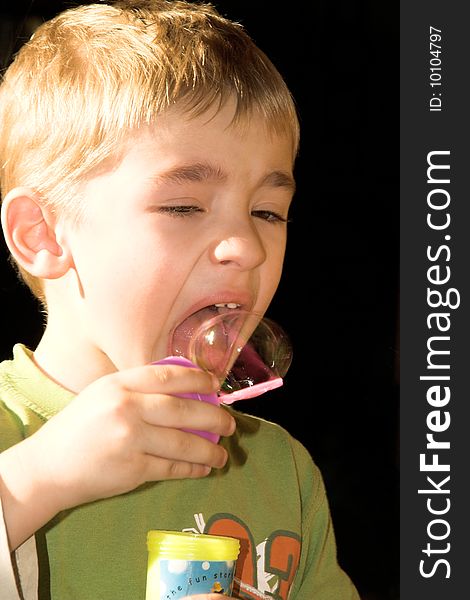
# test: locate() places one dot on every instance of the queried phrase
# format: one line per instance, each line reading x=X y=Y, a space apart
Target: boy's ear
x=30 y=231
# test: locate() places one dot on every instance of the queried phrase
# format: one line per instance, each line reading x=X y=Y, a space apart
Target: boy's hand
x=121 y=431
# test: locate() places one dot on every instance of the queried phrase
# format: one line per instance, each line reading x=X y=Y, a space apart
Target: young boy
x=147 y=150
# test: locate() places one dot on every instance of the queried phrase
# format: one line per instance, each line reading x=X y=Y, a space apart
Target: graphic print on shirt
x=264 y=570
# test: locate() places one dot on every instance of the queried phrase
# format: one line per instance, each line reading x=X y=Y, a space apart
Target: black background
x=338 y=299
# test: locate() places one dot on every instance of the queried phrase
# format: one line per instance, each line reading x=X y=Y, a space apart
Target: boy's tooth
x=226 y=305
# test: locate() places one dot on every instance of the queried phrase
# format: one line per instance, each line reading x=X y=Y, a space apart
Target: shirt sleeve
x=320 y=575
x=18 y=576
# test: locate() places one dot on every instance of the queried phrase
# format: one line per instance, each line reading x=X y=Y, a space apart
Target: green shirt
x=270 y=495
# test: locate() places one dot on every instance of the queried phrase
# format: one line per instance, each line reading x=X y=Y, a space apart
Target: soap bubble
x=248 y=353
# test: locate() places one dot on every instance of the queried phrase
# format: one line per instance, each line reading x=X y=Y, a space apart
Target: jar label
x=180 y=578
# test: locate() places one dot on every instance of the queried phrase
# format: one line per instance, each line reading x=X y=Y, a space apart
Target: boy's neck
x=68 y=361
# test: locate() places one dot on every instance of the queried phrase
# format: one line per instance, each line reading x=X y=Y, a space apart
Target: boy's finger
x=176 y=445
x=167 y=379
x=184 y=413
x=162 y=469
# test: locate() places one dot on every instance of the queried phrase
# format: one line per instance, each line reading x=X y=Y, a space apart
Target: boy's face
x=191 y=217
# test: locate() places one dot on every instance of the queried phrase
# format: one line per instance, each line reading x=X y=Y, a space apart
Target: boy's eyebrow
x=279 y=179
x=191 y=173
x=198 y=172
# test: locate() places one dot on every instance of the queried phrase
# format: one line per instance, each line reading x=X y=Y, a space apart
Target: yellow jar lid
x=182 y=545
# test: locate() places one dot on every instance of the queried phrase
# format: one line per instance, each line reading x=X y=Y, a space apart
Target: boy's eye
x=184 y=210
x=269 y=215
x=180 y=211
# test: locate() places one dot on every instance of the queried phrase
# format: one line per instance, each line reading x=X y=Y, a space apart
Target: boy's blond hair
x=96 y=73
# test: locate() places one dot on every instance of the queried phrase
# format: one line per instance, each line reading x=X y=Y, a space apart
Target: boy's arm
x=26 y=563
x=7 y=576
x=121 y=431
x=27 y=502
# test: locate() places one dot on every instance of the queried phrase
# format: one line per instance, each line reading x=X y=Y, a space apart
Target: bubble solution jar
x=184 y=564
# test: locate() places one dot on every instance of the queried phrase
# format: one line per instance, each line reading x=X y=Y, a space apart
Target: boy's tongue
x=211 y=347
x=186 y=330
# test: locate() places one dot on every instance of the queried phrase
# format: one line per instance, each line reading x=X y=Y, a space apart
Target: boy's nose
x=243 y=251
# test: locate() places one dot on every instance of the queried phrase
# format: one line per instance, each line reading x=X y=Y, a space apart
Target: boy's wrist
x=27 y=500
